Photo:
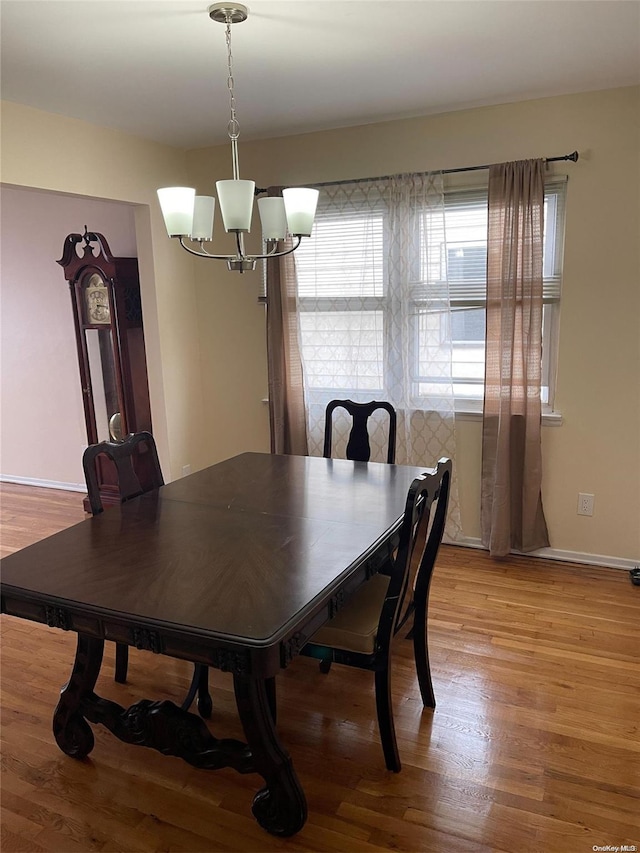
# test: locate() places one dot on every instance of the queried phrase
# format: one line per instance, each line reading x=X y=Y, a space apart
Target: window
x=345 y=315
x=342 y=296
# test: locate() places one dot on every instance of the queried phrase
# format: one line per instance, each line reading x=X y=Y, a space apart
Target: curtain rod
x=573 y=157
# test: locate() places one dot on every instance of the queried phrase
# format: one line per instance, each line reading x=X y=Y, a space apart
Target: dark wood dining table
x=235 y=567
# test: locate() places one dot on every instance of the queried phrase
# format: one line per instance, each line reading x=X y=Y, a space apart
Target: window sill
x=549 y=418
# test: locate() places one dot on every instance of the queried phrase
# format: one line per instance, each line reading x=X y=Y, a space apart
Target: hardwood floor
x=533 y=748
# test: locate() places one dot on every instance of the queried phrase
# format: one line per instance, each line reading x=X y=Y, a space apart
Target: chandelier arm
x=274 y=248
x=278 y=254
x=203 y=254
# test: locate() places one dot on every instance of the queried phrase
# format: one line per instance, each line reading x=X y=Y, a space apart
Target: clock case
x=111 y=351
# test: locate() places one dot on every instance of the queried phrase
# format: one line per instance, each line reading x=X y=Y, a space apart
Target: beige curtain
x=287 y=416
x=511 y=501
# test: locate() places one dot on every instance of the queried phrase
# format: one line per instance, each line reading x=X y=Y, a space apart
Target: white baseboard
x=42 y=484
x=558 y=554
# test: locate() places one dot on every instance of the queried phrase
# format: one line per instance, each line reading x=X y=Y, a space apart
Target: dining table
x=234 y=567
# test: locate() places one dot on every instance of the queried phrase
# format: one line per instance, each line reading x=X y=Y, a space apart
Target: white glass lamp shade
x=177 y=209
x=236 y=203
x=203 y=209
x=273 y=218
x=300 y=204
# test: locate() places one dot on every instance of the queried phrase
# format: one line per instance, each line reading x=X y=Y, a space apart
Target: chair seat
x=354 y=627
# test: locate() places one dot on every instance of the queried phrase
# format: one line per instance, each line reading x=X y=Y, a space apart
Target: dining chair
x=138 y=470
x=361 y=634
x=358 y=446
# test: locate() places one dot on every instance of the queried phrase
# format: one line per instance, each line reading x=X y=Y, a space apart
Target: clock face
x=97 y=301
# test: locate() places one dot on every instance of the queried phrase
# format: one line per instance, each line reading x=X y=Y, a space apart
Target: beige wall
x=205 y=331
x=50 y=152
x=597 y=448
x=40 y=381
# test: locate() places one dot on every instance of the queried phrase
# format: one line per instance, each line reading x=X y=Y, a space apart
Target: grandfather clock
x=107 y=315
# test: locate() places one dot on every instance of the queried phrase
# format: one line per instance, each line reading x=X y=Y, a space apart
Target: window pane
x=468 y=363
x=343 y=349
x=465 y=251
x=466 y=262
x=343 y=257
x=460 y=254
x=467 y=355
x=468 y=326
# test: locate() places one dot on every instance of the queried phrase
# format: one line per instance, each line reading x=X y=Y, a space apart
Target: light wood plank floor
x=533 y=748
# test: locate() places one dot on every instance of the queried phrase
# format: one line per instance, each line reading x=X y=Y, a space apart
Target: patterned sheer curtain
x=375 y=317
x=511 y=502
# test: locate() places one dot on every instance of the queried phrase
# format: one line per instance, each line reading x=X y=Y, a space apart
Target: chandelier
x=189 y=217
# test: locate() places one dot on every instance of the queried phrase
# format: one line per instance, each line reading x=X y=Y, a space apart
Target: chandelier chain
x=233 y=127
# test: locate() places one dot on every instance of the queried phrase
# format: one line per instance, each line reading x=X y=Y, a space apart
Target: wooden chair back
x=420 y=538
x=138 y=471
x=358 y=446
x=136 y=462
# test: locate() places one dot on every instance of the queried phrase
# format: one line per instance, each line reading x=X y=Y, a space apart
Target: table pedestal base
x=280 y=807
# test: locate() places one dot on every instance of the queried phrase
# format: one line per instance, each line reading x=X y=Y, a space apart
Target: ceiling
x=158 y=69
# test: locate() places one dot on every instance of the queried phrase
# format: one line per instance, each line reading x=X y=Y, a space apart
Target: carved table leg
x=272 y=699
x=281 y=807
x=72 y=733
x=122 y=663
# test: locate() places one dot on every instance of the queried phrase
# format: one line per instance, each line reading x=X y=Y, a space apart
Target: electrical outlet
x=186 y=469
x=585 y=504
